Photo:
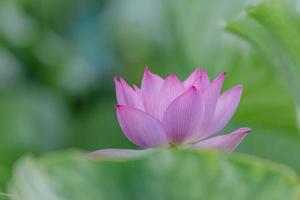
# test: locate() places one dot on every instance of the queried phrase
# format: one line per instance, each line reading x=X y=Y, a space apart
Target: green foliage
x=161 y=174
x=31 y=112
x=272 y=28
x=57 y=59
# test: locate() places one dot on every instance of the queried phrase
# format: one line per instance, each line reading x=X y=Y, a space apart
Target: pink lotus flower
x=169 y=112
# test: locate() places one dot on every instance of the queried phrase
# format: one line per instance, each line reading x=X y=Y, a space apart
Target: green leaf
x=281 y=19
x=283 y=144
x=161 y=174
x=4 y=196
x=273 y=27
x=4 y=176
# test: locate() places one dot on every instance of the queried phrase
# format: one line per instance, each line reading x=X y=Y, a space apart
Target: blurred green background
x=58 y=59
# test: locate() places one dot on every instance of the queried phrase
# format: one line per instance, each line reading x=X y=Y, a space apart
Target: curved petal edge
x=141 y=128
x=224 y=143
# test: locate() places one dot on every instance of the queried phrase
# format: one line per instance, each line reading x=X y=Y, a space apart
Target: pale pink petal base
x=224 y=143
x=118 y=153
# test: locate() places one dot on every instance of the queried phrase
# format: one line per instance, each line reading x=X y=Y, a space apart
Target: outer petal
x=126 y=95
x=192 y=79
x=170 y=90
x=203 y=81
x=150 y=88
x=210 y=97
x=141 y=128
x=183 y=117
x=226 y=143
x=138 y=92
x=118 y=153
x=226 y=107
